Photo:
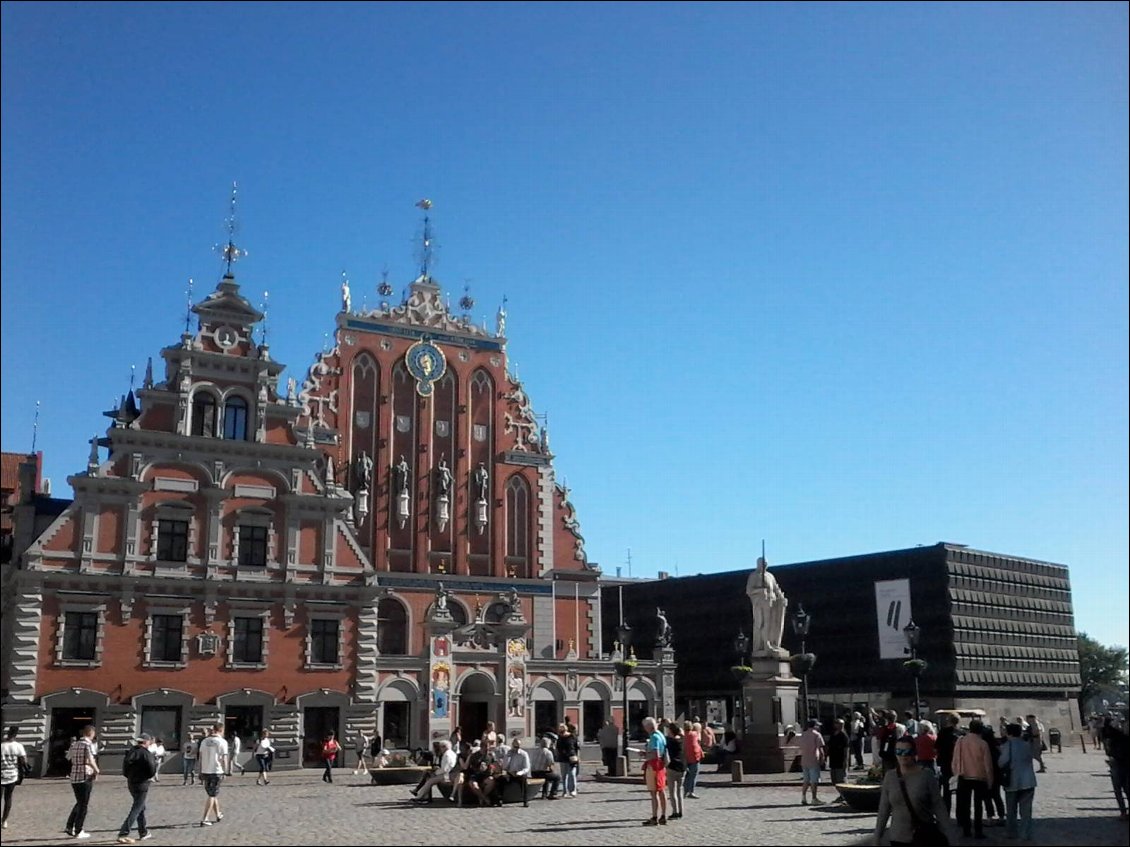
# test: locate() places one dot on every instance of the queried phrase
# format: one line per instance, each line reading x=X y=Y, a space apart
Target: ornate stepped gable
x=375 y=440
x=215 y=440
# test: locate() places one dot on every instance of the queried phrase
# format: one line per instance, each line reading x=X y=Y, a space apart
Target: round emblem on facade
x=226 y=337
x=427 y=364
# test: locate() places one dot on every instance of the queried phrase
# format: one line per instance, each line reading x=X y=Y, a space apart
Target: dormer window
x=235 y=419
x=204 y=414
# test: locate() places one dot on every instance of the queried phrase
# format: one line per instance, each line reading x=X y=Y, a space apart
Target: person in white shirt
x=264 y=755
x=235 y=745
x=159 y=754
x=213 y=758
x=13 y=760
x=362 y=751
x=442 y=776
x=516 y=768
x=542 y=766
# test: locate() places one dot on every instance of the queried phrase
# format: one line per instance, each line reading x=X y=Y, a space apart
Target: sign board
x=892 y=613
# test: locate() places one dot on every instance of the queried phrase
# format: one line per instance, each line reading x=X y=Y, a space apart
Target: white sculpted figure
x=769 y=603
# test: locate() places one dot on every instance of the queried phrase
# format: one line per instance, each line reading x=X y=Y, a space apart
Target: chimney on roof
x=29 y=476
x=664 y=575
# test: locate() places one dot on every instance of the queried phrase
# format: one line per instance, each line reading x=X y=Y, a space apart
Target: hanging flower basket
x=626 y=667
x=915 y=666
x=741 y=672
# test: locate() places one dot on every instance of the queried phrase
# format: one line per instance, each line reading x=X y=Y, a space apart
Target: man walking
x=812 y=754
x=655 y=772
x=139 y=767
x=608 y=736
x=213 y=757
x=973 y=767
x=235 y=746
x=84 y=770
x=838 y=749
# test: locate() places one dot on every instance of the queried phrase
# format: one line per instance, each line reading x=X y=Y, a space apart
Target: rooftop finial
x=229 y=252
x=263 y=308
x=500 y=329
x=188 y=306
x=467 y=302
x=385 y=288
x=426 y=244
x=35 y=427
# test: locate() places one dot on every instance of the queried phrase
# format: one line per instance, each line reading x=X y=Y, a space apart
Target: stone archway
x=478 y=704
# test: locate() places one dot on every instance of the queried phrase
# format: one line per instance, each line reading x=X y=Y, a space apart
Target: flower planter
x=408 y=775
x=860 y=796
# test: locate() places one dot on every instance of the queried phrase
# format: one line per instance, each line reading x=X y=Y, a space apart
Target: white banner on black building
x=892 y=612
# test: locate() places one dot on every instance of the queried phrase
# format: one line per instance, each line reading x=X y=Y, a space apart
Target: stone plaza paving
x=1074 y=806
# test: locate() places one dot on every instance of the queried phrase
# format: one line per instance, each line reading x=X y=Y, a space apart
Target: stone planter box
x=861 y=797
x=409 y=775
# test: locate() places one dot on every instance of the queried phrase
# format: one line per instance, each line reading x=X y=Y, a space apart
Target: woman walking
x=676 y=770
x=13 y=761
x=568 y=758
x=264 y=754
x=910 y=797
x=1020 y=789
x=692 y=752
x=330 y=749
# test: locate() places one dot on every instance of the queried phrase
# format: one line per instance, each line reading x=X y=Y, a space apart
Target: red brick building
x=383 y=547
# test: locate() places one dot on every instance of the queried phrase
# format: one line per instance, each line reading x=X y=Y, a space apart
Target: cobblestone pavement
x=1074 y=806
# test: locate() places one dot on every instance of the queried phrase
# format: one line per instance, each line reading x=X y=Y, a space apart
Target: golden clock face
x=426 y=364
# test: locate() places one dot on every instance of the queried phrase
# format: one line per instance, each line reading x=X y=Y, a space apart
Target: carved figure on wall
x=482 y=479
x=663 y=630
x=768 y=603
x=441 y=597
x=363 y=471
x=441 y=683
x=443 y=477
x=400 y=469
x=346 y=299
x=514 y=690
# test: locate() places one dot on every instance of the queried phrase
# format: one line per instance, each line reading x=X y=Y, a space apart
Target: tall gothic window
x=203 y=414
x=517 y=524
x=392 y=628
x=235 y=419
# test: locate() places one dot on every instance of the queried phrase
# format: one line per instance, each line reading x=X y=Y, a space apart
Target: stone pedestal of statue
x=769 y=703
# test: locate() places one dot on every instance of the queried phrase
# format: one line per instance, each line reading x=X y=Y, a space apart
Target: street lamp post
x=741 y=671
x=913 y=632
x=624 y=669
x=801 y=621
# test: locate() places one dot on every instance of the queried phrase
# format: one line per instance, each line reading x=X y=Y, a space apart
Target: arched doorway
x=477 y=702
x=595 y=710
x=548 y=706
x=640 y=699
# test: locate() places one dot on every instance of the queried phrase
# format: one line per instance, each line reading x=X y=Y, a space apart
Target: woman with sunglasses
x=910 y=796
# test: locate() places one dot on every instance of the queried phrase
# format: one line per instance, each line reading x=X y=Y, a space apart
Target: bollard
x=621 y=766
x=736 y=772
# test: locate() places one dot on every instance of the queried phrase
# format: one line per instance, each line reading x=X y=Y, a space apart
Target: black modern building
x=997 y=632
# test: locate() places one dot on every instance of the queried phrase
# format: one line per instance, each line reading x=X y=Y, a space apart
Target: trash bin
x=1055 y=739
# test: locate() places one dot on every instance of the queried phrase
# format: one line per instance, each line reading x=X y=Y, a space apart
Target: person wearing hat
x=139 y=767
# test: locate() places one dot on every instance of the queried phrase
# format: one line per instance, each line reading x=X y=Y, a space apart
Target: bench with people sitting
x=484 y=777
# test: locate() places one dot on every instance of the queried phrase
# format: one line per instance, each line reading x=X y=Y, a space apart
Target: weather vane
x=467 y=302
x=263 y=308
x=229 y=252
x=188 y=306
x=384 y=289
x=426 y=245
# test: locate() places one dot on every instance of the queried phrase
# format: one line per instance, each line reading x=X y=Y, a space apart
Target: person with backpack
x=139 y=767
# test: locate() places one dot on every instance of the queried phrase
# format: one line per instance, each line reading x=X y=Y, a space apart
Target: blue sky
x=845 y=277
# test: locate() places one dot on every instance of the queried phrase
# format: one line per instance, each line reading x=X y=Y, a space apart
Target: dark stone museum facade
x=997 y=632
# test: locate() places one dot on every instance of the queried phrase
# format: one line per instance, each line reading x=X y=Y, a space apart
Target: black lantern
x=741 y=672
x=624 y=669
x=803 y=662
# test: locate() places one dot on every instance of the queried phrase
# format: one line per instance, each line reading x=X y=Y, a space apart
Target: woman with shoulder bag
x=1020 y=782
x=676 y=769
x=911 y=799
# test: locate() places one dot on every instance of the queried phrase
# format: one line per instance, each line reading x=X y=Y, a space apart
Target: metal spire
x=426 y=244
x=188 y=306
x=263 y=308
x=229 y=252
x=35 y=427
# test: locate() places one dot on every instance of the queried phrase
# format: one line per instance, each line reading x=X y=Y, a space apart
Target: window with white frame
x=172 y=523
x=324 y=642
x=235 y=419
x=166 y=637
x=253 y=538
x=249 y=638
x=81 y=632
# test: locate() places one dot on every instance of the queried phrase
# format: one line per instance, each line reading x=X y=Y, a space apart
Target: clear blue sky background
x=848 y=278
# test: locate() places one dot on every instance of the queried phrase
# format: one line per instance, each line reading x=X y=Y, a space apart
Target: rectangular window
x=166 y=645
x=252 y=546
x=247 y=647
x=163 y=722
x=324 y=641
x=80 y=638
x=172 y=540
